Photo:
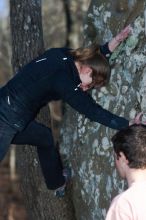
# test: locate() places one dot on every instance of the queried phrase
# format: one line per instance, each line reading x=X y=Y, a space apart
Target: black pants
x=41 y=136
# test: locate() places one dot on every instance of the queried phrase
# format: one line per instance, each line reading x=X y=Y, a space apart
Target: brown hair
x=92 y=57
x=132 y=142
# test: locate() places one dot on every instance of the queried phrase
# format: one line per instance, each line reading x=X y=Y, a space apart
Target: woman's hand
x=138 y=119
x=123 y=34
x=119 y=38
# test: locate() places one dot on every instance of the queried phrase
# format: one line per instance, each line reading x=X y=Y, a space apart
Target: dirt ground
x=11 y=202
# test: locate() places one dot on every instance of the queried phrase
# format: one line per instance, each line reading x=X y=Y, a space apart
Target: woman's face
x=86 y=77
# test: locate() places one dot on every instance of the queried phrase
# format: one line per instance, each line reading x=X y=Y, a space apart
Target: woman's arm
x=83 y=103
x=110 y=46
x=119 y=38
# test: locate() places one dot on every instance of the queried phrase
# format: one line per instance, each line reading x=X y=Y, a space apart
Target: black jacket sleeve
x=84 y=104
x=104 y=49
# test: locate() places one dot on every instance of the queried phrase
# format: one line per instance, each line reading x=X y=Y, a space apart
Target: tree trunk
x=87 y=144
x=27 y=43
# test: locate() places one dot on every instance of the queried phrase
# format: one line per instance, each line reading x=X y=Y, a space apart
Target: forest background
x=58 y=32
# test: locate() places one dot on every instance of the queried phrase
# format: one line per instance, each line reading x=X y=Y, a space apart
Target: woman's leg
x=41 y=136
x=6 y=135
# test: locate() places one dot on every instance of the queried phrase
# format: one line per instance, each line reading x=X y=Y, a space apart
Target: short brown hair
x=132 y=142
x=92 y=57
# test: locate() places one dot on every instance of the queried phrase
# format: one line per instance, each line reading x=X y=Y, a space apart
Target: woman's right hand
x=119 y=38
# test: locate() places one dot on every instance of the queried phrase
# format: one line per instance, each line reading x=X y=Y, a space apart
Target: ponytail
x=82 y=54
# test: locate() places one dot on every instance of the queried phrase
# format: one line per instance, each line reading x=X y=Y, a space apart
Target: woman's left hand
x=137 y=120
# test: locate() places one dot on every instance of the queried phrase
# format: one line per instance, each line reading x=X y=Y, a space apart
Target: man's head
x=131 y=144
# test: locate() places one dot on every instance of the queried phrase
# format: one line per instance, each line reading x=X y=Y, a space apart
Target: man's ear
x=123 y=158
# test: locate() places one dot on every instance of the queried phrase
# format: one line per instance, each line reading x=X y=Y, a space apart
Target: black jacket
x=51 y=76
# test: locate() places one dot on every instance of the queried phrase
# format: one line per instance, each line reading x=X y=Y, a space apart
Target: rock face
x=87 y=144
